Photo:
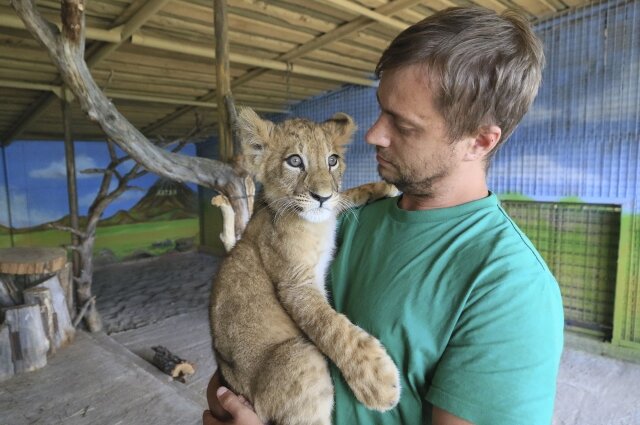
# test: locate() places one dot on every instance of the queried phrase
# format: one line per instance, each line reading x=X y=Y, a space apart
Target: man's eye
x=333 y=160
x=403 y=130
x=295 y=161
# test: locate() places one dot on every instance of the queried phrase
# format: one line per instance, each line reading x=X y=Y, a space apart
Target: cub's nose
x=319 y=198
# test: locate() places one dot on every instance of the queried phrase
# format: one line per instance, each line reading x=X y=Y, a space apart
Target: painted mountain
x=165 y=200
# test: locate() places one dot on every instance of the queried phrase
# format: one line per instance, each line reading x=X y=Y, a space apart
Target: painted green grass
x=122 y=239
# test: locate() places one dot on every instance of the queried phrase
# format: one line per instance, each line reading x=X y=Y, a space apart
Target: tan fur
x=270 y=318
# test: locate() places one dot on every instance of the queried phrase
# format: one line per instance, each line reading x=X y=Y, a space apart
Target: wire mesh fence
x=579 y=242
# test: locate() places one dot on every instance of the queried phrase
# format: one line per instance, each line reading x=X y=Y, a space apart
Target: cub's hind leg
x=294 y=386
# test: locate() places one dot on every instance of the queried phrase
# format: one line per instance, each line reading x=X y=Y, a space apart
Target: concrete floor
x=104 y=379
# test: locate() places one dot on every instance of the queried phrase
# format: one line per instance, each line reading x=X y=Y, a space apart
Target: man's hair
x=483 y=68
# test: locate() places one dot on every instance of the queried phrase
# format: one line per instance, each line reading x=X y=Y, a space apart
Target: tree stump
x=6 y=359
x=42 y=297
x=35 y=307
x=32 y=260
x=9 y=294
x=63 y=330
x=29 y=343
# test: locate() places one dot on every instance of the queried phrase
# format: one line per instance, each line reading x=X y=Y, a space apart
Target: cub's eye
x=295 y=161
x=333 y=160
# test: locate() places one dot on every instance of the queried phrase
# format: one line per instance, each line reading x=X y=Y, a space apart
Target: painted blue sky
x=37 y=181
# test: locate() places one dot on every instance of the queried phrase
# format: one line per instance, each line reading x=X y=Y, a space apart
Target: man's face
x=413 y=149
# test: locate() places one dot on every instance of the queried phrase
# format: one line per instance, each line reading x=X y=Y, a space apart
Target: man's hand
x=442 y=417
x=226 y=407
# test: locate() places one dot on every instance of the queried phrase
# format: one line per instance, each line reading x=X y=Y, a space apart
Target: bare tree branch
x=94 y=171
x=66 y=50
x=78 y=233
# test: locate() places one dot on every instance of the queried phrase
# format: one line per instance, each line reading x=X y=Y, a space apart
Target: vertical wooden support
x=7 y=195
x=223 y=84
x=70 y=156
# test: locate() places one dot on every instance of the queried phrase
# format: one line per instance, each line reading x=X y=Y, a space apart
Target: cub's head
x=300 y=163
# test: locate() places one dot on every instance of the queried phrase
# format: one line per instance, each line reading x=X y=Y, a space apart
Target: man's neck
x=451 y=193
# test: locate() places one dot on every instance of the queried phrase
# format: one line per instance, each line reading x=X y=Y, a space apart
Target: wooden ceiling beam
x=136 y=21
x=126 y=30
x=340 y=32
x=56 y=89
x=372 y=14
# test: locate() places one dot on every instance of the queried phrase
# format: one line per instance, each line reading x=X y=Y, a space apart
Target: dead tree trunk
x=66 y=50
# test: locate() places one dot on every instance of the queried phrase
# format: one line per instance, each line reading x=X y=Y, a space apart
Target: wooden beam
x=223 y=87
x=340 y=32
x=98 y=34
x=14 y=84
x=376 y=16
x=277 y=65
x=72 y=187
x=33 y=112
x=125 y=31
x=150 y=8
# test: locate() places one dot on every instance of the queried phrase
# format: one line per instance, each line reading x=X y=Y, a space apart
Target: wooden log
x=9 y=294
x=6 y=360
x=42 y=297
x=29 y=343
x=171 y=364
x=32 y=260
x=64 y=331
x=66 y=281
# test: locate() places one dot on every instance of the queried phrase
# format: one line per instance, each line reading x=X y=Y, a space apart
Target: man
x=460 y=298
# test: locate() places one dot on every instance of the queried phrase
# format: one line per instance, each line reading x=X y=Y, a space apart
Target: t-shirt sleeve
x=501 y=363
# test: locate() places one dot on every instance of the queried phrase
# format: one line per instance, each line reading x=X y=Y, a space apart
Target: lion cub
x=270 y=319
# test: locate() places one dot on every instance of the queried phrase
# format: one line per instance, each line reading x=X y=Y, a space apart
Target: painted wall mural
x=159 y=217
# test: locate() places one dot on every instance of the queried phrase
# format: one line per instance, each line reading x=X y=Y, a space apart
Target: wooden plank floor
x=96 y=381
x=186 y=336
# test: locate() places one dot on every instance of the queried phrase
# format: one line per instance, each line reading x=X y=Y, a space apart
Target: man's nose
x=377 y=135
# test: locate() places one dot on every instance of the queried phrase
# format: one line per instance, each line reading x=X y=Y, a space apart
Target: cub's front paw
x=373 y=377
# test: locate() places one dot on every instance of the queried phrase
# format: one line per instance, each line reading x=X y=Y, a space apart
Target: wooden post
x=29 y=344
x=7 y=195
x=223 y=85
x=6 y=355
x=70 y=157
x=42 y=298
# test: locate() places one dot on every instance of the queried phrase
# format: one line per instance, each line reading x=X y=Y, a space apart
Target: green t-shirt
x=463 y=303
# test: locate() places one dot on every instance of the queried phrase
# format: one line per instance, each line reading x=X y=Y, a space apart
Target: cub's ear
x=340 y=128
x=254 y=135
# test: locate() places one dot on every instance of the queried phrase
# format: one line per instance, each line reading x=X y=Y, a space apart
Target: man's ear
x=340 y=128
x=254 y=135
x=484 y=143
